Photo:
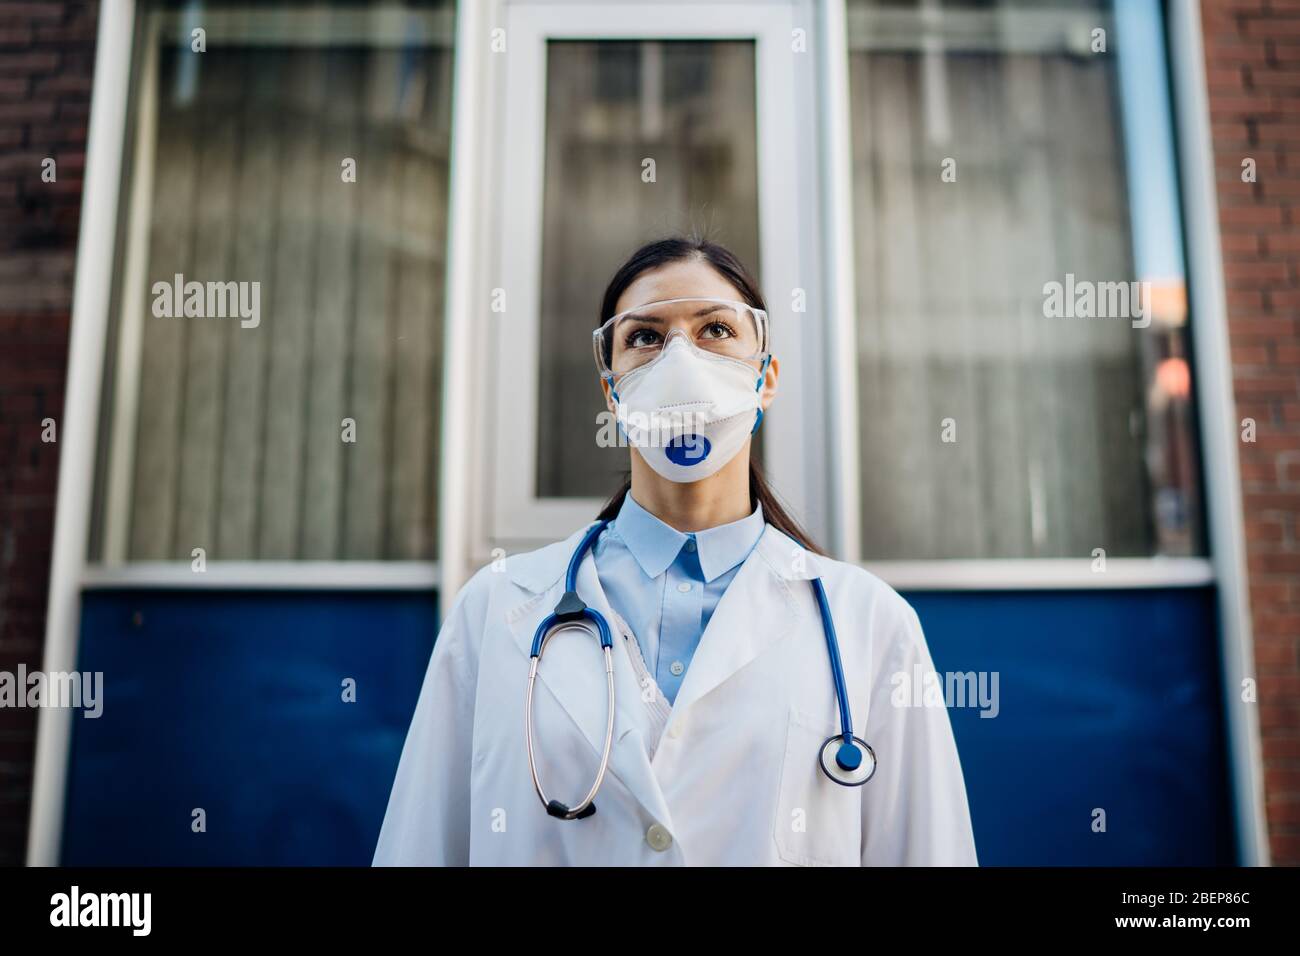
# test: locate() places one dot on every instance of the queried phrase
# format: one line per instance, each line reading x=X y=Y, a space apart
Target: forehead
x=693 y=278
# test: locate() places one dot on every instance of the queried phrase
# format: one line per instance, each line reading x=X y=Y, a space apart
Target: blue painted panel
x=233 y=702
x=1108 y=700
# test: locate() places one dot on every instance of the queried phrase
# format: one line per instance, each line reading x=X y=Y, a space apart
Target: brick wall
x=46 y=61
x=1252 y=52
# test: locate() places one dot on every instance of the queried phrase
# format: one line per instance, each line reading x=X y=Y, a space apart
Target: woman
x=727 y=743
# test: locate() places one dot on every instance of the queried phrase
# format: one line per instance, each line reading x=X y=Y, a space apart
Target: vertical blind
x=239 y=443
x=988 y=430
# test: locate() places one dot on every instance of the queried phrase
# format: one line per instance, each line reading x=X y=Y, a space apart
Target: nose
x=676 y=333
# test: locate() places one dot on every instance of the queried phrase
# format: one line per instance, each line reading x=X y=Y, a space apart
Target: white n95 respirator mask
x=688 y=412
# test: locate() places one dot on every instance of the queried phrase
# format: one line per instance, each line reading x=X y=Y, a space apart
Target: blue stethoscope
x=844 y=758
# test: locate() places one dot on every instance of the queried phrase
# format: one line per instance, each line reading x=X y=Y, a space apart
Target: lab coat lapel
x=757 y=610
x=572 y=671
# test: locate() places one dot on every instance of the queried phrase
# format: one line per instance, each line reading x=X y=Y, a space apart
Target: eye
x=641 y=338
x=717 y=330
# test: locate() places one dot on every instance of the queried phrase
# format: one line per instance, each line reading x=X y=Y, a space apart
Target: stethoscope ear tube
x=587 y=806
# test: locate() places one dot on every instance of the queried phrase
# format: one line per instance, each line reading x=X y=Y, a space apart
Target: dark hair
x=663 y=252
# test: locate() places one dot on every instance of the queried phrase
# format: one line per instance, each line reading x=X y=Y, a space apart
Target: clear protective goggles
x=722 y=326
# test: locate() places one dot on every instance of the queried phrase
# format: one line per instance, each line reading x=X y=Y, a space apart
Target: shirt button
x=675 y=730
x=658 y=838
x=677 y=667
x=690 y=545
x=684 y=587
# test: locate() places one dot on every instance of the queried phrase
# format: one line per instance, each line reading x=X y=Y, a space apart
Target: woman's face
x=690 y=278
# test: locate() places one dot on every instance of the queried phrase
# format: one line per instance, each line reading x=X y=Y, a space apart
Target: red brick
x=1267 y=594
x=1281 y=748
x=1248 y=53
x=1284 y=298
x=14 y=87
x=1246 y=355
x=1270 y=384
x=1274 y=654
x=1279 y=187
x=1278 y=624
x=26 y=12
x=75 y=83
x=1248 y=272
x=1248 y=244
x=1285 y=848
x=1234 y=136
x=1230 y=79
x=1281 y=714
x=1249 y=218
x=1255 y=469
x=28 y=63
x=1283 y=811
x=1273 y=26
x=14 y=36
x=27 y=111
x=1281 y=242
x=1277 y=80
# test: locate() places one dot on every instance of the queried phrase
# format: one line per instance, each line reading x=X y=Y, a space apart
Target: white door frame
x=787 y=213
x=91 y=304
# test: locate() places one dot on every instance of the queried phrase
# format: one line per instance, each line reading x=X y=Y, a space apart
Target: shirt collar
x=656 y=545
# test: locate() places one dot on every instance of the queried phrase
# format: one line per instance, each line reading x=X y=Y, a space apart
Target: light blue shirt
x=666 y=584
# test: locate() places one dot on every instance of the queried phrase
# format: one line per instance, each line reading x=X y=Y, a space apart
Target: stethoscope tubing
x=837 y=666
x=587 y=806
x=571 y=611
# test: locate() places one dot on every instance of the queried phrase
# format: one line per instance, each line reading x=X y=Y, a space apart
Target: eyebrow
x=655 y=320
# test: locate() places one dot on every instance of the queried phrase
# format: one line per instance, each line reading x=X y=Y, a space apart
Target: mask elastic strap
x=609 y=377
x=758 y=420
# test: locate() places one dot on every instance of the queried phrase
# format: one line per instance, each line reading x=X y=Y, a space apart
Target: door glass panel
x=643 y=139
x=1003 y=151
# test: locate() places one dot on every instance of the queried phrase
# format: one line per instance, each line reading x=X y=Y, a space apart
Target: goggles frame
x=602 y=337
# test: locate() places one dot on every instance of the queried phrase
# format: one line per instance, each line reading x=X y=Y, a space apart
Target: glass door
x=625 y=123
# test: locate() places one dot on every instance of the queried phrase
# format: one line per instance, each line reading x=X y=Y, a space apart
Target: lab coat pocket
x=818 y=822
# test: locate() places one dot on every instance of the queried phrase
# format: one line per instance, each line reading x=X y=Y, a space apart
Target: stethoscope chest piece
x=848 y=764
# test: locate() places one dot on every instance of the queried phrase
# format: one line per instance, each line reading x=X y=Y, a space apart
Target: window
x=688 y=106
x=293 y=174
x=1000 y=148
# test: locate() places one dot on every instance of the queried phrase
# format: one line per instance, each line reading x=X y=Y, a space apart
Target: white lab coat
x=728 y=775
